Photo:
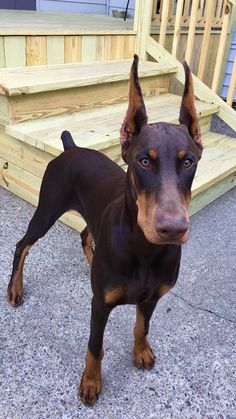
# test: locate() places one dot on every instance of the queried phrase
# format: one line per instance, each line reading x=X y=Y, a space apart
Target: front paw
x=145 y=358
x=15 y=294
x=90 y=388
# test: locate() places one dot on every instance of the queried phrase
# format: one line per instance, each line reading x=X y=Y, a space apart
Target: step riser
x=61 y=102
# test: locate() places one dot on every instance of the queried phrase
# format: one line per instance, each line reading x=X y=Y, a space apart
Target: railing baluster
x=209 y=10
x=191 y=32
x=232 y=85
x=221 y=48
x=178 y=18
x=164 y=21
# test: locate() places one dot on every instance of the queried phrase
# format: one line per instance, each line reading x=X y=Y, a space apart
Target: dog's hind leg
x=87 y=241
x=53 y=203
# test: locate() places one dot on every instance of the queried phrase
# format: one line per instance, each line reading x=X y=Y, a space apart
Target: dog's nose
x=171 y=228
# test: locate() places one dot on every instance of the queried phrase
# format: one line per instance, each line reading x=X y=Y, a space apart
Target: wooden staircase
x=90 y=100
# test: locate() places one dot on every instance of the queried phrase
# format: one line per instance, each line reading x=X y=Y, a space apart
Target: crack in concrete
x=207 y=310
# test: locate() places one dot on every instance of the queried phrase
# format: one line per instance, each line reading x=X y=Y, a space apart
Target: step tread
x=29 y=80
x=218 y=161
x=97 y=128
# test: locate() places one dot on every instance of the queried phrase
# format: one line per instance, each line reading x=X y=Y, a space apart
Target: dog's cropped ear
x=136 y=114
x=188 y=114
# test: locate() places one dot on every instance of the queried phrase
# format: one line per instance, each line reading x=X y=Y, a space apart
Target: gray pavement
x=193 y=330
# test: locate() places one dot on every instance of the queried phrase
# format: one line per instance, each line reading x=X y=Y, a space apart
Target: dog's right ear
x=136 y=114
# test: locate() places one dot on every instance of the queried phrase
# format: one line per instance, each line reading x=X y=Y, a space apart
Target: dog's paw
x=15 y=295
x=144 y=359
x=89 y=389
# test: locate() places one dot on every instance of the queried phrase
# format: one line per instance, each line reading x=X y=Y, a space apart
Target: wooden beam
x=232 y=86
x=203 y=92
x=191 y=31
x=206 y=38
x=178 y=17
x=142 y=24
x=164 y=21
x=221 y=48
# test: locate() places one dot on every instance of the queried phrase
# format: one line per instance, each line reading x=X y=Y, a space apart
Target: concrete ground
x=193 y=330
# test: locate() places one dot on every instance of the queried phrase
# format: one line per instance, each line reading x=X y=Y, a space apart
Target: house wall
x=86 y=6
x=79 y=6
x=229 y=68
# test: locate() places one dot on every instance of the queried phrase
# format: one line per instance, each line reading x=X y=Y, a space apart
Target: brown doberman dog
x=137 y=220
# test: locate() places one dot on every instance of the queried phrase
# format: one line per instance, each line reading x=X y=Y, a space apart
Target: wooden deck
x=15 y=22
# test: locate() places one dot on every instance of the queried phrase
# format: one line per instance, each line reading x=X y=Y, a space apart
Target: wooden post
x=164 y=21
x=142 y=25
x=221 y=49
x=232 y=86
x=206 y=38
x=191 y=31
x=178 y=18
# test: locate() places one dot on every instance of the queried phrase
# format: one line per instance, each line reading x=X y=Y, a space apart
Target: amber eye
x=187 y=163
x=146 y=163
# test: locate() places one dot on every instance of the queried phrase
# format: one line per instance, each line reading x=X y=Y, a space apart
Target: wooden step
x=99 y=128
x=38 y=92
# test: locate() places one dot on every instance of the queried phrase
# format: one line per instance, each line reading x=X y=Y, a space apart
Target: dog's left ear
x=188 y=114
x=136 y=114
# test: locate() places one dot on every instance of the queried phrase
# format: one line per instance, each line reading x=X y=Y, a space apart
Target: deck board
x=97 y=128
x=29 y=80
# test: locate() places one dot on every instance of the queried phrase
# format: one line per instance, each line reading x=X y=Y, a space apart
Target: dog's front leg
x=143 y=354
x=91 y=382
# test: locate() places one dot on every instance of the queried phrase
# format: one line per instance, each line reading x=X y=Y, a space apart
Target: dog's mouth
x=155 y=238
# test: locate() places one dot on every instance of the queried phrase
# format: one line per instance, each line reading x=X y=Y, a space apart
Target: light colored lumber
x=232 y=85
x=142 y=24
x=97 y=128
x=36 y=50
x=206 y=38
x=164 y=21
x=47 y=78
x=73 y=49
x=117 y=47
x=2 y=52
x=191 y=31
x=14 y=51
x=200 y=89
x=89 y=48
x=55 y=49
x=176 y=36
x=221 y=48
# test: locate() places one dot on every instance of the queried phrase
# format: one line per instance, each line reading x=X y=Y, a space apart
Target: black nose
x=171 y=228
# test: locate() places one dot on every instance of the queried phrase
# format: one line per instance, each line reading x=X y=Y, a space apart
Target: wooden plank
x=2 y=53
x=200 y=89
x=221 y=48
x=77 y=99
x=36 y=50
x=104 y=47
x=191 y=31
x=15 y=51
x=43 y=79
x=129 y=47
x=89 y=48
x=142 y=24
x=117 y=47
x=204 y=198
x=178 y=18
x=55 y=49
x=206 y=38
x=73 y=49
x=232 y=86
x=164 y=21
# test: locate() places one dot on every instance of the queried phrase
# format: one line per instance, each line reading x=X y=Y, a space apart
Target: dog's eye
x=146 y=163
x=187 y=163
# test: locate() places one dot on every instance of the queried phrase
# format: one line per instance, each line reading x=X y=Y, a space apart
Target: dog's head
x=162 y=159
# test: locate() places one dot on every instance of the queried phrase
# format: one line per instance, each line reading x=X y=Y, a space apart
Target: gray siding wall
x=79 y=6
x=85 y=6
x=229 y=67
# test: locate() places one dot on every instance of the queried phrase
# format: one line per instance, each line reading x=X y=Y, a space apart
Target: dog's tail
x=67 y=140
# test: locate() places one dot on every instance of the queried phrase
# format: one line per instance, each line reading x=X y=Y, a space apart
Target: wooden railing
x=168 y=9
x=200 y=15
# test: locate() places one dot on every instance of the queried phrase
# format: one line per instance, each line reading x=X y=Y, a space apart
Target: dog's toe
x=89 y=390
x=14 y=296
x=145 y=359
